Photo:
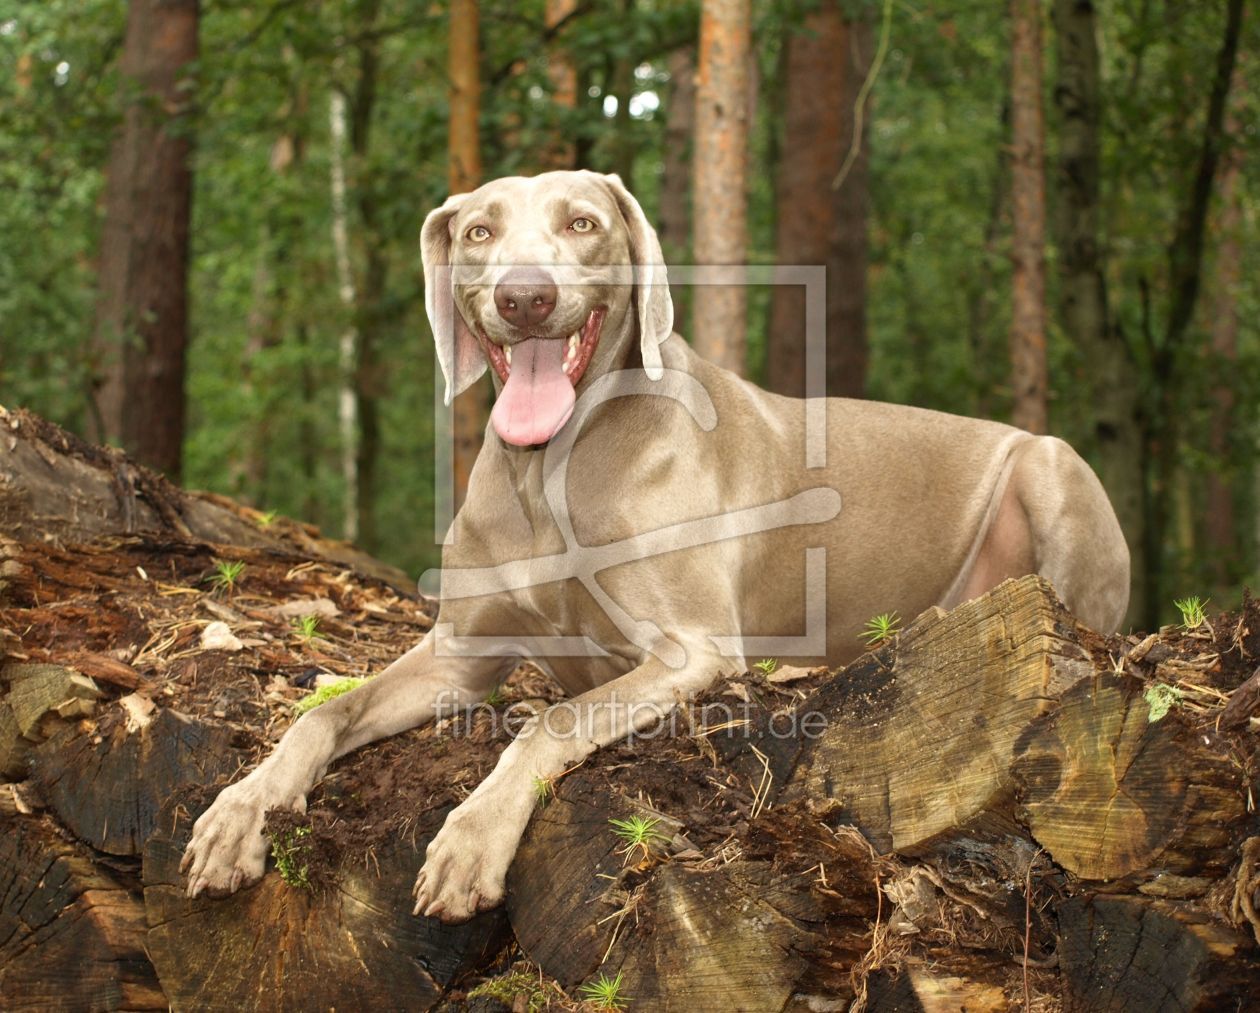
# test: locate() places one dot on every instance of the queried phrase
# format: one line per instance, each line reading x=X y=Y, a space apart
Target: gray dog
x=724 y=524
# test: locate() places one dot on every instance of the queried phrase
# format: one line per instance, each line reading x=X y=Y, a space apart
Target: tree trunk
x=347 y=344
x=141 y=326
x=471 y=408
x=1029 y=378
x=1220 y=521
x=1083 y=307
x=816 y=223
x=370 y=378
x=1185 y=264
x=674 y=219
x=562 y=72
x=719 y=329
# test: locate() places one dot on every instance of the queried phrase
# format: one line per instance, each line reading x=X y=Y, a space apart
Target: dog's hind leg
x=228 y=848
x=1077 y=541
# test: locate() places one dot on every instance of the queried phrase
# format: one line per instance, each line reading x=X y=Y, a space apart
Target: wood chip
x=217 y=637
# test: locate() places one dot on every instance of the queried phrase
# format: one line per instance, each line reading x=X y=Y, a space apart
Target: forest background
x=1038 y=212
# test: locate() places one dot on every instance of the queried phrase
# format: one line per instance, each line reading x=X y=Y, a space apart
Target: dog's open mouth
x=538 y=376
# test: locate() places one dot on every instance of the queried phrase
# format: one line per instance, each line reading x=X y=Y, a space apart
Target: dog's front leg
x=466 y=864
x=228 y=848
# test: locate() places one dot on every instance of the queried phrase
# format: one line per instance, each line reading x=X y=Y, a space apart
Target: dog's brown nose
x=525 y=297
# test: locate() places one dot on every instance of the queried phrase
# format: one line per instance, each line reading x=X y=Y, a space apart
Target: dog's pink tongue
x=537 y=398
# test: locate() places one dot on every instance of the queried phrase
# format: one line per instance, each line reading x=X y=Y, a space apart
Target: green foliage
x=226 y=574
x=307 y=628
x=605 y=992
x=766 y=665
x=326 y=693
x=1160 y=699
x=881 y=629
x=544 y=789
x=1192 y=612
x=497 y=697
x=639 y=834
x=289 y=848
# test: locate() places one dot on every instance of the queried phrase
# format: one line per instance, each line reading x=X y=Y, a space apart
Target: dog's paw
x=228 y=849
x=465 y=868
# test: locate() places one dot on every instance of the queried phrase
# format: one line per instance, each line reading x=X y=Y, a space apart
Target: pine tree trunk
x=562 y=72
x=348 y=342
x=817 y=222
x=141 y=327
x=1220 y=520
x=463 y=174
x=1029 y=378
x=1083 y=306
x=719 y=330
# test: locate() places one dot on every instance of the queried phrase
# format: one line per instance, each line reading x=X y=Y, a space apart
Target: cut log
x=1124 y=953
x=779 y=916
x=351 y=945
x=108 y=783
x=72 y=936
x=53 y=485
x=39 y=701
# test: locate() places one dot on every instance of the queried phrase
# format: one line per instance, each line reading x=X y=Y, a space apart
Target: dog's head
x=527 y=275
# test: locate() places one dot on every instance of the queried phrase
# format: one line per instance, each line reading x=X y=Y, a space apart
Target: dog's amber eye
x=582 y=225
x=477 y=234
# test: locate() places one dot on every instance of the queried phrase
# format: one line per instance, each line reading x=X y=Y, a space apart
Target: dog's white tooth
x=573 y=344
x=507 y=353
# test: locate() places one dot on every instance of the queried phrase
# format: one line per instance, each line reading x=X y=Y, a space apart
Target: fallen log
x=54 y=486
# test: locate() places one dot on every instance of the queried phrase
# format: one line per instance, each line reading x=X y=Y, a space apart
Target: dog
x=641 y=522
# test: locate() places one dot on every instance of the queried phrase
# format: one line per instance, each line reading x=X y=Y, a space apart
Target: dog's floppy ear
x=653 y=304
x=458 y=352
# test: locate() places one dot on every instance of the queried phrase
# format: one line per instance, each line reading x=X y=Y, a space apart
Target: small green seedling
x=289 y=851
x=497 y=697
x=265 y=520
x=544 y=789
x=226 y=574
x=605 y=992
x=307 y=628
x=639 y=833
x=1160 y=699
x=767 y=665
x=326 y=693
x=881 y=629
x=1192 y=612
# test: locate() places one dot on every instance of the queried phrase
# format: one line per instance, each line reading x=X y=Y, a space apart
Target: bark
x=1083 y=304
x=826 y=64
x=1220 y=521
x=1029 y=378
x=471 y=409
x=719 y=330
x=986 y=348
x=1185 y=265
x=140 y=333
x=675 y=202
x=622 y=148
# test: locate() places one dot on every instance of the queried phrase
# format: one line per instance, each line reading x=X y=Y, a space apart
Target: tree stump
x=72 y=935
x=351 y=944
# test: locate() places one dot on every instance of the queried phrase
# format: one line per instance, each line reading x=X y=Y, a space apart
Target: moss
x=326 y=693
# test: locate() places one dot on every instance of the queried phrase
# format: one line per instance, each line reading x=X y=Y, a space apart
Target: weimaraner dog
x=640 y=521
